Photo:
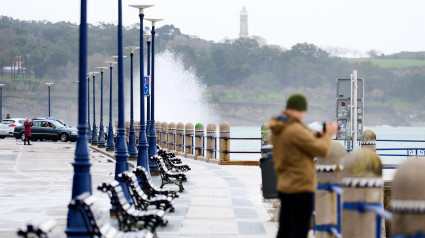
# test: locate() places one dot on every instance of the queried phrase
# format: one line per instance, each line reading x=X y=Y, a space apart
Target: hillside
x=245 y=82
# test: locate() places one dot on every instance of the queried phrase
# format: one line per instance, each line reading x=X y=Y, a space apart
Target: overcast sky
x=388 y=26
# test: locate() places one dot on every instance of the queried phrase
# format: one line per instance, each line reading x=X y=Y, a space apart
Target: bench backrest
x=95 y=217
x=41 y=228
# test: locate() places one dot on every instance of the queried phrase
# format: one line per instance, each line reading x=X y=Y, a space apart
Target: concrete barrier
x=171 y=136
x=329 y=193
x=164 y=135
x=224 y=142
x=408 y=201
x=362 y=195
x=199 y=141
x=211 y=146
x=179 y=137
x=188 y=136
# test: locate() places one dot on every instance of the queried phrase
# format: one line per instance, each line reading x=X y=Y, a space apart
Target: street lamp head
x=48 y=84
x=93 y=73
x=111 y=63
x=140 y=7
x=153 y=20
x=131 y=48
x=2 y=85
x=101 y=68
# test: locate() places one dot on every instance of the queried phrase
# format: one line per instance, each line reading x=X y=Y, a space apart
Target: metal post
x=110 y=145
x=101 y=143
x=152 y=136
x=132 y=133
x=82 y=179
x=48 y=85
x=49 y=100
x=88 y=108
x=354 y=108
x=94 y=138
x=1 y=102
x=121 y=152
x=148 y=99
x=142 y=146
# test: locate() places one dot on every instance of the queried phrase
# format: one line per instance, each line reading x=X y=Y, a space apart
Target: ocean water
x=382 y=132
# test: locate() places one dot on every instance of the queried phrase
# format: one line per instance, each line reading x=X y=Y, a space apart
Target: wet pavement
x=218 y=201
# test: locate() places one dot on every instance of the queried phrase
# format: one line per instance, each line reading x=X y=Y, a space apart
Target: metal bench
x=149 y=188
x=170 y=155
x=96 y=221
x=41 y=228
x=169 y=177
x=128 y=217
x=176 y=167
x=140 y=199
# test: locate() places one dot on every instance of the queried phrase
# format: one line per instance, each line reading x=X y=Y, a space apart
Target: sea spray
x=180 y=96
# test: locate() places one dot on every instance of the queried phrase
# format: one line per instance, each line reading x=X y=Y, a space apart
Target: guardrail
x=195 y=140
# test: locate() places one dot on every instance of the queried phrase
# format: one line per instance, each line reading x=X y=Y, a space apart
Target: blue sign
x=147 y=86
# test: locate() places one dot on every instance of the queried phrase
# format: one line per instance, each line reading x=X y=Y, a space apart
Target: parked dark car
x=47 y=130
x=51 y=118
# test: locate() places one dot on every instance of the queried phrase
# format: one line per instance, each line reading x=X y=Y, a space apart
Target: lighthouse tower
x=244 y=24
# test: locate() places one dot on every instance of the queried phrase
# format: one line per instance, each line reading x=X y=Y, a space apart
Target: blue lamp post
x=94 y=132
x=110 y=145
x=101 y=143
x=88 y=108
x=142 y=146
x=116 y=58
x=132 y=133
x=152 y=135
x=121 y=152
x=81 y=182
x=48 y=85
x=1 y=101
x=148 y=98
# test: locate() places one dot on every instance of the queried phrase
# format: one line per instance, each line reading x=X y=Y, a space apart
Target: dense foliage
x=50 y=51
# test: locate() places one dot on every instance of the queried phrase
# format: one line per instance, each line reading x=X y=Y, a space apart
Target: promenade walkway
x=218 y=201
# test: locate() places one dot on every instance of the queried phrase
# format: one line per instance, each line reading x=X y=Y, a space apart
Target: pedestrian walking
x=294 y=149
x=27 y=124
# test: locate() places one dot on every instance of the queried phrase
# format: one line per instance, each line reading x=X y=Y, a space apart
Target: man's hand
x=331 y=127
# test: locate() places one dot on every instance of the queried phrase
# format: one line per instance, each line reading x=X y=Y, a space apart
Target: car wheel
x=64 y=137
x=22 y=136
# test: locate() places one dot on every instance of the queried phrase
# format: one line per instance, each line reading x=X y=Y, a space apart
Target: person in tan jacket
x=294 y=148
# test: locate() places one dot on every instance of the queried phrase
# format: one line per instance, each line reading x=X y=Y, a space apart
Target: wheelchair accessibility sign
x=147 y=86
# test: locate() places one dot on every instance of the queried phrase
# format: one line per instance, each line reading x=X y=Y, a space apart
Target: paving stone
x=210 y=201
x=251 y=228
x=218 y=201
x=210 y=213
x=241 y=202
x=204 y=228
x=245 y=213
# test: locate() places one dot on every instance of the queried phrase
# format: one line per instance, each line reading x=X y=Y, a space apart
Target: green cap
x=297 y=102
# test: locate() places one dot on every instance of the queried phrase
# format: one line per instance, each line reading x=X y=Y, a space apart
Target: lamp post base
x=152 y=149
x=101 y=143
x=94 y=137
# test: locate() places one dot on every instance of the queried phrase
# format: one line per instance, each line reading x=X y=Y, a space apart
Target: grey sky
x=388 y=26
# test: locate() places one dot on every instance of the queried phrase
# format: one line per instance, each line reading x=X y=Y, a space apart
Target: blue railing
x=399 y=151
